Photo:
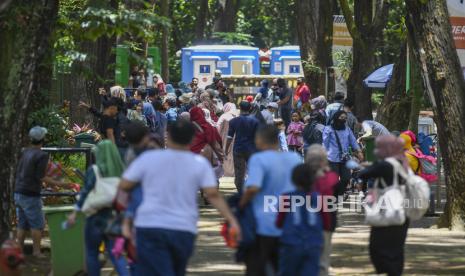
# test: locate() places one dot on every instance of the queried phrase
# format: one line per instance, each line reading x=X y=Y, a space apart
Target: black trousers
x=265 y=251
x=342 y=171
x=387 y=248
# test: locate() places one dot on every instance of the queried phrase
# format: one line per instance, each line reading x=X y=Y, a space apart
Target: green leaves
x=233 y=38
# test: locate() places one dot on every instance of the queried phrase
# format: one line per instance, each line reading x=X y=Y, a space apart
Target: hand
x=360 y=156
x=72 y=219
x=359 y=140
x=83 y=104
x=233 y=224
x=126 y=229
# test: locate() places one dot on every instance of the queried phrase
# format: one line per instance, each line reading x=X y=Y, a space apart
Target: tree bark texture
x=226 y=16
x=25 y=52
x=201 y=20
x=394 y=110
x=365 y=25
x=315 y=34
x=165 y=69
x=428 y=22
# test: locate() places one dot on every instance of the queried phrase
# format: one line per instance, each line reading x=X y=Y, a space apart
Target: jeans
x=299 y=260
x=29 y=212
x=94 y=236
x=162 y=252
x=240 y=167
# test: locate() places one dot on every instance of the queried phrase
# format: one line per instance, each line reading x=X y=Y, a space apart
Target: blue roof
x=220 y=47
x=380 y=77
x=288 y=47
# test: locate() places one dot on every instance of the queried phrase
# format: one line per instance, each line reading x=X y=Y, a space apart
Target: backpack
x=417 y=193
x=313 y=134
x=427 y=166
x=172 y=115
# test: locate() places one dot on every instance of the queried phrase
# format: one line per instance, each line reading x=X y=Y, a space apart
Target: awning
x=289 y=57
x=242 y=57
x=380 y=77
x=205 y=57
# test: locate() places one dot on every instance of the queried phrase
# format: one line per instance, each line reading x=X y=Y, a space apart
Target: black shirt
x=31 y=171
x=380 y=169
x=107 y=122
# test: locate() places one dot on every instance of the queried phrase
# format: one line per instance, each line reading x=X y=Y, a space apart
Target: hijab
x=391 y=146
x=336 y=123
x=206 y=134
x=206 y=102
x=108 y=159
x=148 y=110
x=319 y=103
x=230 y=108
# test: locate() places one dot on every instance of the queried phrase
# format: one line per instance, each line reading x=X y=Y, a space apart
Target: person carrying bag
x=95 y=201
x=389 y=221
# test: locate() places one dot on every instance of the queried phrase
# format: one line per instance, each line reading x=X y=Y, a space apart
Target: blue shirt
x=243 y=128
x=347 y=139
x=271 y=172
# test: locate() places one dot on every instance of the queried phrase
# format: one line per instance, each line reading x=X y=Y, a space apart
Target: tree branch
x=349 y=17
x=381 y=15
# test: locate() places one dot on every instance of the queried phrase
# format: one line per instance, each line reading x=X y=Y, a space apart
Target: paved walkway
x=429 y=251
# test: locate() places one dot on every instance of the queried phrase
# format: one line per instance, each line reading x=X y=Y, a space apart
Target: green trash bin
x=67 y=246
x=84 y=138
x=369 y=149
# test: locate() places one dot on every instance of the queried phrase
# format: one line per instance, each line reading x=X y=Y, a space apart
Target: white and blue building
x=285 y=60
x=202 y=61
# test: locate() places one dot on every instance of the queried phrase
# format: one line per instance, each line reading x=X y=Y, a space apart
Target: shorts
x=29 y=212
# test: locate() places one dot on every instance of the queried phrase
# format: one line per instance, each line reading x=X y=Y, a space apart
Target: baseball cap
x=37 y=133
x=273 y=105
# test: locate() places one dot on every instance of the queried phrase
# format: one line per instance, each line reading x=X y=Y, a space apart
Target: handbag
x=102 y=195
x=417 y=194
x=388 y=206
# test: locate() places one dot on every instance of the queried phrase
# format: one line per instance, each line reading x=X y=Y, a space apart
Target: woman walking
x=230 y=112
x=108 y=164
x=387 y=243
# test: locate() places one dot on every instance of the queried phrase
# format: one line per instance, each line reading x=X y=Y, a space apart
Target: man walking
x=269 y=176
x=242 y=129
x=166 y=220
x=285 y=101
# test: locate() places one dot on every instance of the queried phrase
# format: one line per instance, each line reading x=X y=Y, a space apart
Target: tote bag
x=102 y=195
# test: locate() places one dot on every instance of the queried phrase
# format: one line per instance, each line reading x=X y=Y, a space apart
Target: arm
x=231 y=133
x=215 y=199
x=126 y=185
x=326 y=138
x=354 y=144
x=218 y=149
x=110 y=134
x=284 y=101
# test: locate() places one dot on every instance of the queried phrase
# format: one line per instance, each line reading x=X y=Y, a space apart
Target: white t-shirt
x=170 y=182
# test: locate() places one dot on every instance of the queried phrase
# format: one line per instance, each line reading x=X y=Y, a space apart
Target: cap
x=37 y=133
x=273 y=105
x=249 y=99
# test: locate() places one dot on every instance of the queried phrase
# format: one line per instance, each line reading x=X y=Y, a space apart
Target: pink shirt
x=294 y=131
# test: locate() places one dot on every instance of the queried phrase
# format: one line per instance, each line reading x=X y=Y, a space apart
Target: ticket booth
x=203 y=61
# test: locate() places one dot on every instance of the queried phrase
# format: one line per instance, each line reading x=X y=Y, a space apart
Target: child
x=294 y=133
x=302 y=236
x=279 y=123
x=172 y=112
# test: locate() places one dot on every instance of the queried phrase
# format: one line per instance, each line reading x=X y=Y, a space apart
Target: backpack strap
x=338 y=142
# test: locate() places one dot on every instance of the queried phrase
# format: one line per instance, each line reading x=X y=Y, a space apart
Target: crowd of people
x=166 y=147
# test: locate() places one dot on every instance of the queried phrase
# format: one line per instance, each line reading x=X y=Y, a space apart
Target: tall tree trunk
x=315 y=33
x=226 y=17
x=201 y=20
x=25 y=51
x=396 y=104
x=365 y=25
x=433 y=44
x=165 y=69
x=416 y=93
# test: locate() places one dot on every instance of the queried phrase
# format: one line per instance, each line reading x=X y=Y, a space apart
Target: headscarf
x=207 y=135
x=208 y=116
x=118 y=92
x=230 y=108
x=408 y=141
x=412 y=136
x=148 y=110
x=108 y=159
x=185 y=116
x=390 y=146
x=206 y=102
x=319 y=103
x=336 y=123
